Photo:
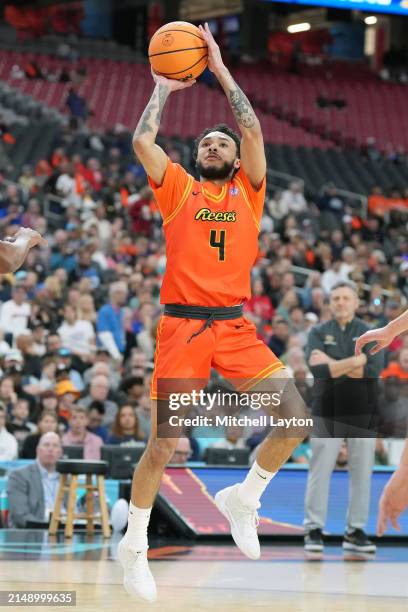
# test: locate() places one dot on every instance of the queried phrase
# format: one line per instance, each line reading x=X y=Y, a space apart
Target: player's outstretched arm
x=252 y=147
x=394 y=499
x=383 y=336
x=151 y=156
x=14 y=250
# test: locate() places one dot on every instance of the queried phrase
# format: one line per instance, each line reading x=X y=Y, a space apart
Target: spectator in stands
x=47 y=422
x=78 y=434
x=259 y=307
x=86 y=308
x=76 y=334
x=144 y=415
x=16 y=312
x=8 y=443
x=280 y=336
x=110 y=324
x=66 y=369
x=104 y=368
x=331 y=207
x=67 y=395
x=182 y=452
x=66 y=186
x=77 y=105
x=29 y=182
x=38 y=332
x=397 y=369
x=96 y=413
x=293 y=199
x=19 y=424
x=32 y=489
x=125 y=428
x=335 y=274
x=133 y=387
x=99 y=391
x=233 y=438
x=8 y=395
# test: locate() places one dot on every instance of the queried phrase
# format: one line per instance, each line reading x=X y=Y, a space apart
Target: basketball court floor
x=204 y=576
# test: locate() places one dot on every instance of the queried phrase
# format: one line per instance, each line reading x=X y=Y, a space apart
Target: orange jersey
x=211 y=237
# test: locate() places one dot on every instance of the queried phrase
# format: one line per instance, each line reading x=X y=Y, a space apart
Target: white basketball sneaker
x=137 y=579
x=243 y=520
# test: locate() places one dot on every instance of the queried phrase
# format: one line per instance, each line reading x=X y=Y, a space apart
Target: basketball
x=178 y=51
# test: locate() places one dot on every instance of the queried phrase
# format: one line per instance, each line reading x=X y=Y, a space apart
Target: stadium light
x=298 y=27
x=371 y=20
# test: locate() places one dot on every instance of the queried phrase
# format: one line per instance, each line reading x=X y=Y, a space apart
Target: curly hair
x=220 y=127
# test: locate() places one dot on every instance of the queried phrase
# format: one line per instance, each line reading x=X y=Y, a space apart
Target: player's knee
x=160 y=451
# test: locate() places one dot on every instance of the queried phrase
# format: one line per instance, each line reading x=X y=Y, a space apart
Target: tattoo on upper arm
x=242 y=108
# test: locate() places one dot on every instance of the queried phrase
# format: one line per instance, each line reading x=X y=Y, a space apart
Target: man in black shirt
x=344 y=407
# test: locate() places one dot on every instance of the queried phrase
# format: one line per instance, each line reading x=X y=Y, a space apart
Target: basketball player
x=14 y=249
x=394 y=499
x=211 y=229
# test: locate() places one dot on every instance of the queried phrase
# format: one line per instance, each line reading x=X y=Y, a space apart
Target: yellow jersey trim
x=183 y=200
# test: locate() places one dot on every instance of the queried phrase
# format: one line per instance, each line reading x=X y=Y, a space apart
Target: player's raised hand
x=33 y=238
x=215 y=63
x=393 y=501
x=381 y=336
x=171 y=84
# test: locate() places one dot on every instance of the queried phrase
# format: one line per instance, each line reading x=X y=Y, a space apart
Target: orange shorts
x=231 y=347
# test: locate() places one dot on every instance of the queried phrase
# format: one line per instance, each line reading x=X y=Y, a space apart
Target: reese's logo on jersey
x=205 y=214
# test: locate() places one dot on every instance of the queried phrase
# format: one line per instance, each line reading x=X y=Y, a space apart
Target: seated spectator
x=99 y=390
x=67 y=395
x=65 y=365
x=182 y=452
x=133 y=387
x=8 y=395
x=32 y=489
x=397 y=369
x=259 y=307
x=78 y=434
x=48 y=401
x=110 y=324
x=335 y=274
x=47 y=380
x=15 y=313
x=232 y=438
x=293 y=198
x=126 y=426
x=105 y=368
x=96 y=412
x=144 y=415
x=77 y=105
x=8 y=443
x=280 y=336
x=19 y=424
x=76 y=334
x=47 y=422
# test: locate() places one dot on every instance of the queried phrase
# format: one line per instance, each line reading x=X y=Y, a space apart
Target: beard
x=212 y=173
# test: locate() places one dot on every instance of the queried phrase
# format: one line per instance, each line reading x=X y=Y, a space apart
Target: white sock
x=255 y=483
x=138 y=521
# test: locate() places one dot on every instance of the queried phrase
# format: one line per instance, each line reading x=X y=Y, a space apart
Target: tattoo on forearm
x=144 y=123
x=241 y=107
x=152 y=112
x=163 y=95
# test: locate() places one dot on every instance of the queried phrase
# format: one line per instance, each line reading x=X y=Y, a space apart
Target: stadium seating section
x=303 y=138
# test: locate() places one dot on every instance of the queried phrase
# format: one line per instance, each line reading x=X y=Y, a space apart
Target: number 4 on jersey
x=218 y=243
